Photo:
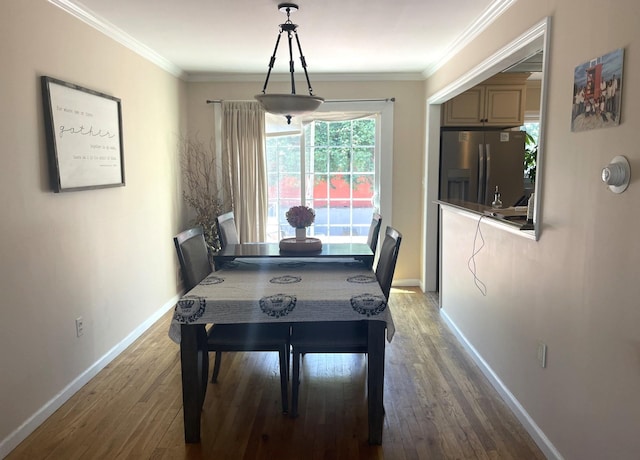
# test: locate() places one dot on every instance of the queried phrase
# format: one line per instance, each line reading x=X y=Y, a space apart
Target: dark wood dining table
x=281 y=289
x=358 y=251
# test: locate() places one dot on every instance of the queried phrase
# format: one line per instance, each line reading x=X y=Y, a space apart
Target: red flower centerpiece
x=300 y=217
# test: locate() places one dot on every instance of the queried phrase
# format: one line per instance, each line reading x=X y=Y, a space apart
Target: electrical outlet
x=79 y=326
x=542 y=354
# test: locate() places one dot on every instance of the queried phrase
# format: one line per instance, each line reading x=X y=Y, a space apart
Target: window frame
x=382 y=110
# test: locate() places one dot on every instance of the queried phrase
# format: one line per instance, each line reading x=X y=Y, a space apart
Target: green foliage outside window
x=532 y=134
x=337 y=147
x=343 y=146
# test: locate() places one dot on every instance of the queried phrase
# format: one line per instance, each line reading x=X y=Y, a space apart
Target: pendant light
x=289 y=104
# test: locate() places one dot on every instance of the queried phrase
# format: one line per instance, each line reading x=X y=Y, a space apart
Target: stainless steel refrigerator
x=473 y=163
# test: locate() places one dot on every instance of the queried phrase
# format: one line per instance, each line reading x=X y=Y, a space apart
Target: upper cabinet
x=499 y=102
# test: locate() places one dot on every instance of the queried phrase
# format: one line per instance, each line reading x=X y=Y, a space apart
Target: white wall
x=105 y=255
x=577 y=288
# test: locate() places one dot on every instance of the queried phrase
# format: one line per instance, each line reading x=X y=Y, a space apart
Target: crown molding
x=79 y=11
x=490 y=14
x=528 y=43
x=285 y=77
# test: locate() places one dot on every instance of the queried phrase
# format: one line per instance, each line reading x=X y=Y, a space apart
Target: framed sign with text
x=84 y=137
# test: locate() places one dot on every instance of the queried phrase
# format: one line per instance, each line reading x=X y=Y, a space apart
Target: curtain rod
x=388 y=99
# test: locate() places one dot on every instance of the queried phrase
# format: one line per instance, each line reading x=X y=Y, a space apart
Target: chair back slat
x=193 y=256
x=388 y=258
x=374 y=232
x=227 y=229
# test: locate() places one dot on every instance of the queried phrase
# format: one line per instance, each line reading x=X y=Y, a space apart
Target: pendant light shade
x=289 y=104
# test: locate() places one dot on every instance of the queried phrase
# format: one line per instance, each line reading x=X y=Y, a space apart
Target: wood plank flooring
x=438 y=404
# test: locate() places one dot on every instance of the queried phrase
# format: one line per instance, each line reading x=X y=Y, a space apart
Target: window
x=340 y=163
x=339 y=180
x=533 y=129
x=531 y=152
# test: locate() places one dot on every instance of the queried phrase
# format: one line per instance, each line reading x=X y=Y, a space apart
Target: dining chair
x=388 y=257
x=195 y=266
x=372 y=237
x=227 y=230
x=374 y=231
x=344 y=336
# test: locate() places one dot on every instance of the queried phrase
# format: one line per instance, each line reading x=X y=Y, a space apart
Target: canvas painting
x=597 y=89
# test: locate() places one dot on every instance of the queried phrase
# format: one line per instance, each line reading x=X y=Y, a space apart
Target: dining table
x=357 y=251
x=281 y=289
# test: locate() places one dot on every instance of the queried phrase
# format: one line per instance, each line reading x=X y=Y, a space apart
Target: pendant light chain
x=289 y=104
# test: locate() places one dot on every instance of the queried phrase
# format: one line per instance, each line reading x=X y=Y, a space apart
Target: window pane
x=289 y=158
x=289 y=190
x=531 y=153
x=321 y=133
x=272 y=157
x=340 y=190
x=364 y=132
x=340 y=159
x=533 y=129
x=320 y=189
x=363 y=159
x=272 y=184
x=321 y=159
x=340 y=133
x=363 y=189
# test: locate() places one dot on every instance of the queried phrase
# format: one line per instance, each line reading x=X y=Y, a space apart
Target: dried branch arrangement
x=204 y=188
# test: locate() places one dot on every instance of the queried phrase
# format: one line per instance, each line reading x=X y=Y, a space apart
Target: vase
x=301 y=233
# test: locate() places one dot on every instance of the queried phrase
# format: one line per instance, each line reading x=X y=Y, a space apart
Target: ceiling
x=197 y=39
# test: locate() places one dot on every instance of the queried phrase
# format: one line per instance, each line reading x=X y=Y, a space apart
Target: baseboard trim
x=523 y=416
x=407 y=282
x=33 y=422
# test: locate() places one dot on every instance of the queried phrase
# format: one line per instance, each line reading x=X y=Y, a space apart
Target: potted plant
x=530 y=157
x=300 y=217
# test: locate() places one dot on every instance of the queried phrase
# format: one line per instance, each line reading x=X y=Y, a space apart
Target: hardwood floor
x=438 y=404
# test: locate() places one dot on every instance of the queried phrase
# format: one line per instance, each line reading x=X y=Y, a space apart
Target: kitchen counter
x=514 y=217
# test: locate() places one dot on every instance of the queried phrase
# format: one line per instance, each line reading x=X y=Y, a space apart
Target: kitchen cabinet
x=497 y=102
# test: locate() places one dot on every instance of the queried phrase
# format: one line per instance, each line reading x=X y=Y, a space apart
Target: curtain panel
x=243 y=155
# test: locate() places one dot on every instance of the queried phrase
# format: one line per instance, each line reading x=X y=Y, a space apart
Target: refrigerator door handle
x=487 y=173
x=481 y=174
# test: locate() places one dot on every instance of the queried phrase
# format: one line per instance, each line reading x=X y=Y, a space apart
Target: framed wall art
x=597 y=92
x=84 y=137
